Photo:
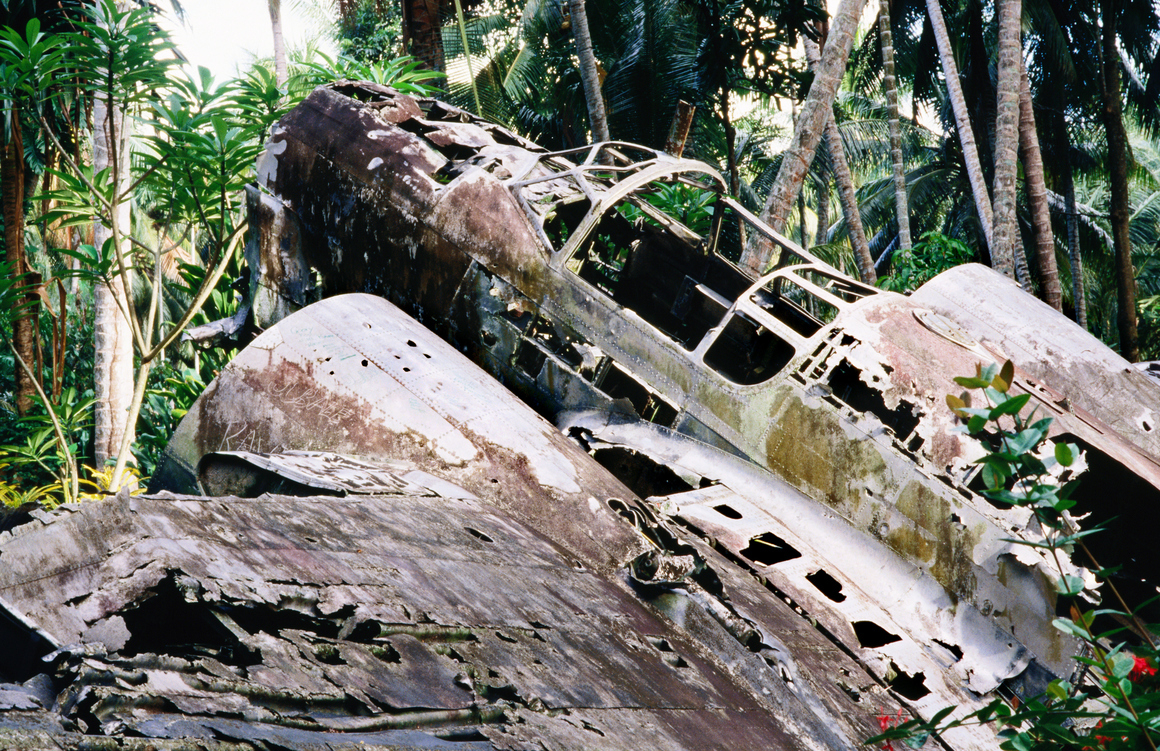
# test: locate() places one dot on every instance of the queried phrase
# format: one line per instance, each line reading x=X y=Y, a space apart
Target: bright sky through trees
x=225 y=35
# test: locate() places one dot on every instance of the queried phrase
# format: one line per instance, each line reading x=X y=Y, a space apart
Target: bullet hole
x=911 y=686
x=727 y=511
x=668 y=655
x=952 y=648
x=589 y=726
x=480 y=535
x=386 y=653
x=364 y=363
x=406 y=370
x=329 y=654
x=827 y=585
x=411 y=343
x=769 y=549
x=871 y=635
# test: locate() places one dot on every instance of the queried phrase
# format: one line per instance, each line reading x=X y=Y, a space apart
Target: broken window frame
x=749 y=306
x=605 y=173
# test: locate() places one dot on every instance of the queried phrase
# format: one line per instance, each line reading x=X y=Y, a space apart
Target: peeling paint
x=554 y=273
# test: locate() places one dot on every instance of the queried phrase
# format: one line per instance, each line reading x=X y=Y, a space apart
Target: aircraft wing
x=405 y=556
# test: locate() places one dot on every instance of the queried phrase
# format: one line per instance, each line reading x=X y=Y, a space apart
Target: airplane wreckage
x=750 y=525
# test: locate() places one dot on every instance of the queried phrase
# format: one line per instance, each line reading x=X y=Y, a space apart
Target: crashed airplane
x=637 y=332
x=769 y=491
x=438 y=567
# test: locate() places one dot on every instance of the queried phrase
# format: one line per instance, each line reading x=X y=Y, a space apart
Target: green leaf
x=916 y=741
x=994 y=475
x=1023 y=441
x=1070 y=627
x=1120 y=665
x=971 y=382
x=1010 y=406
x=1069 y=585
x=1065 y=453
x=1059 y=689
x=1005 y=378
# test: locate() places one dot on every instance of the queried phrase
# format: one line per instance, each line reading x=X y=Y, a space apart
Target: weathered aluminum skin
x=355 y=376
x=458 y=222
x=474 y=581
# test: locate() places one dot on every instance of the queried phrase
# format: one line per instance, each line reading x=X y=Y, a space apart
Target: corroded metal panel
x=475 y=578
x=378 y=616
x=356 y=376
x=559 y=275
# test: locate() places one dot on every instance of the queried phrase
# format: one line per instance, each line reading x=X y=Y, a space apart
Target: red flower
x=885 y=722
x=1142 y=669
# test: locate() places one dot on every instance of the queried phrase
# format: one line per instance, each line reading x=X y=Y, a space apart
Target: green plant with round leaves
x=1114 y=704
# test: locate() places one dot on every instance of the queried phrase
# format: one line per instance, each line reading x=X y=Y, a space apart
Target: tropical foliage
x=1114 y=703
x=177 y=252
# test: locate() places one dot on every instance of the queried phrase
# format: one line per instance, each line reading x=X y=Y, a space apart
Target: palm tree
x=963 y=126
x=1005 y=226
x=597 y=117
x=281 y=69
x=423 y=33
x=12 y=173
x=113 y=346
x=818 y=106
x=1037 y=197
x=890 y=87
x=847 y=193
x=1118 y=169
x=16 y=79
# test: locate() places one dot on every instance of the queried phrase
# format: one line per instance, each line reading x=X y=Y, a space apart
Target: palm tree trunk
x=1062 y=149
x=1121 y=212
x=281 y=68
x=1007 y=138
x=823 y=208
x=1074 y=255
x=423 y=34
x=597 y=116
x=730 y=145
x=816 y=109
x=962 y=119
x=113 y=355
x=1037 y=197
x=847 y=193
x=23 y=328
x=890 y=86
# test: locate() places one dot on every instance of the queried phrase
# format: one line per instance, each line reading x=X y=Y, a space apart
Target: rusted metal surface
x=557 y=274
x=810 y=552
x=472 y=580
